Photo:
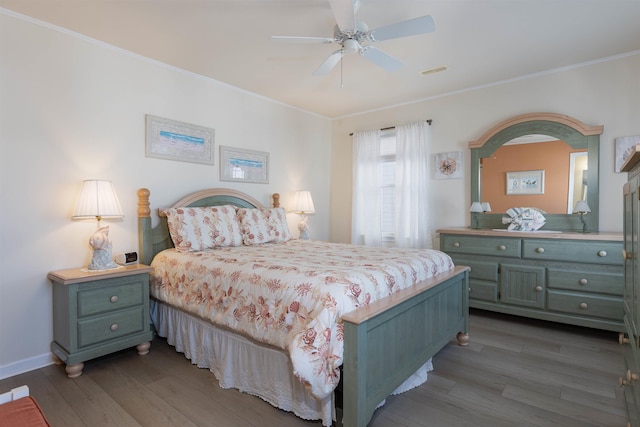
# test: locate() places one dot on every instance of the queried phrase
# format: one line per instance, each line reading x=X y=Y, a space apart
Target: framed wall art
x=624 y=146
x=172 y=140
x=240 y=165
x=448 y=165
x=525 y=182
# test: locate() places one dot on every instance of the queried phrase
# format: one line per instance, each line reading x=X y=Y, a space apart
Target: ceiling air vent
x=433 y=70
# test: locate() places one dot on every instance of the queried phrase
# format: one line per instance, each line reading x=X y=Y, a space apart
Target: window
x=390 y=187
x=387 y=184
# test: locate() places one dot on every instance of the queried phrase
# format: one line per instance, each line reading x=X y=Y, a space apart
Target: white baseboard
x=26 y=365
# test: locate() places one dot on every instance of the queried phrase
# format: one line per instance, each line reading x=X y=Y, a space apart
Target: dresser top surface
x=541 y=234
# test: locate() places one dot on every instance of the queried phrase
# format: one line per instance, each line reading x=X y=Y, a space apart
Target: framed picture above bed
x=240 y=165
x=172 y=140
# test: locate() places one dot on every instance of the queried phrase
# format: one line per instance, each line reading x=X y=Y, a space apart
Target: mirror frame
x=572 y=131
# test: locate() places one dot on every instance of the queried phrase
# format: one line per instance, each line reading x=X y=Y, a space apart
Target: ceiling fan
x=354 y=36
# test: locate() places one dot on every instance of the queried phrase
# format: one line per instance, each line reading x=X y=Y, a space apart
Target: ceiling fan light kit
x=354 y=36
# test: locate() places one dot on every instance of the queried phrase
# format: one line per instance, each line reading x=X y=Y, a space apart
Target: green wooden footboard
x=388 y=341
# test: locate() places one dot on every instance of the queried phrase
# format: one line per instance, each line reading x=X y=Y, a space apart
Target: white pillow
x=263 y=225
x=199 y=228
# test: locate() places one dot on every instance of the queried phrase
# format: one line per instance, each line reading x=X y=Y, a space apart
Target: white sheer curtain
x=412 y=186
x=366 y=206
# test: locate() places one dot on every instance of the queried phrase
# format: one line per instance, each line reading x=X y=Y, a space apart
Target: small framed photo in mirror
x=525 y=182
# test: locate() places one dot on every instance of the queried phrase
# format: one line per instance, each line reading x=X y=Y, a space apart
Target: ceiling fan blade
x=344 y=14
x=381 y=58
x=411 y=27
x=328 y=64
x=295 y=39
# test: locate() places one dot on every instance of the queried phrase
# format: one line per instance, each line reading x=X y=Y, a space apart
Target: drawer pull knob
x=538 y=288
x=622 y=382
x=114 y=327
x=456 y=245
x=540 y=250
x=602 y=253
x=114 y=298
x=583 y=281
x=584 y=305
x=626 y=254
x=632 y=377
x=622 y=339
x=502 y=247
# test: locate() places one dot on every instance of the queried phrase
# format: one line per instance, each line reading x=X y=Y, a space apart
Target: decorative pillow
x=280 y=226
x=263 y=225
x=199 y=228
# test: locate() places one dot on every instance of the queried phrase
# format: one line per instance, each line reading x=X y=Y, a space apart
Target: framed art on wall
x=624 y=146
x=172 y=140
x=525 y=182
x=240 y=165
x=448 y=165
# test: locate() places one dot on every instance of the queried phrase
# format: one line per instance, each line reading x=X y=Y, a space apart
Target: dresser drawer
x=607 y=307
x=495 y=246
x=480 y=269
x=102 y=299
x=103 y=328
x=588 y=251
x=586 y=281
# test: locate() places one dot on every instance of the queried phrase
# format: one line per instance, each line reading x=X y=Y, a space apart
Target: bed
x=379 y=340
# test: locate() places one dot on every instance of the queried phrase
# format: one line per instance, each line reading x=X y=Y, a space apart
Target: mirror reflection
x=534 y=171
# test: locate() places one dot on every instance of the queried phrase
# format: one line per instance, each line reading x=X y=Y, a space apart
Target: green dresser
x=571 y=278
x=97 y=313
x=630 y=339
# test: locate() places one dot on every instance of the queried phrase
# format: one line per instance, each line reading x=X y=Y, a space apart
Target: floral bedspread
x=292 y=294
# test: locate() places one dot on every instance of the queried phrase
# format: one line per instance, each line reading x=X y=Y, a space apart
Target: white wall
x=603 y=93
x=73 y=109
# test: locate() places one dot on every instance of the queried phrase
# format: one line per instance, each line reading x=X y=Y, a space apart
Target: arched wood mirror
x=561 y=144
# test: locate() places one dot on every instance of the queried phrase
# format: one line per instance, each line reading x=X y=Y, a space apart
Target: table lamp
x=303 y=205
x=475 y=209
x=582 y=208
x=98 y=200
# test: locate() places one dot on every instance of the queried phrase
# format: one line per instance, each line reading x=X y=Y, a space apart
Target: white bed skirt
x=254 y=368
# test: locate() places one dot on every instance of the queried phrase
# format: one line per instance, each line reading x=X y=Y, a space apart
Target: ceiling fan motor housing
x=359 y=33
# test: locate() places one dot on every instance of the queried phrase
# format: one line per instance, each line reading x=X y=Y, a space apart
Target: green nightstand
x=97 y=313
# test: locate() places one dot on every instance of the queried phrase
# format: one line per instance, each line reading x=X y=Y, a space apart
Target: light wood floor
x=515 y=372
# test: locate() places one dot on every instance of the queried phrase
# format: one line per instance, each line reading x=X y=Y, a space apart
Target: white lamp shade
x=97 y=199
x=486 y=207
x=303 y=203
x=476 y=207
x=581 y=207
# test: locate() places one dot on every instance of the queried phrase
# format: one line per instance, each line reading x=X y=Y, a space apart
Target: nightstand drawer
x=104 y=328
x=451 y=243
x=103 y=299
x=586 y=281
x=588 y=252
x=586 y=305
